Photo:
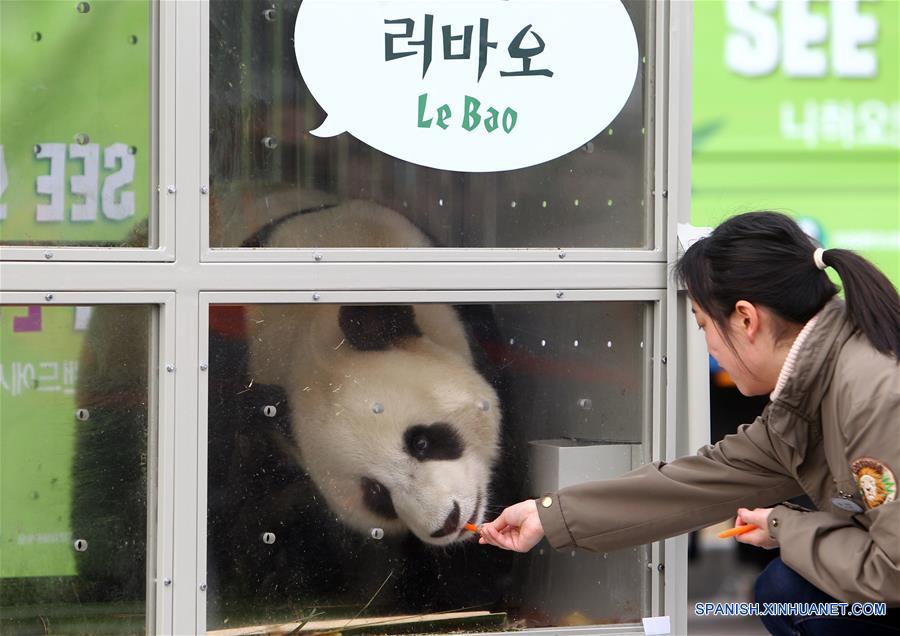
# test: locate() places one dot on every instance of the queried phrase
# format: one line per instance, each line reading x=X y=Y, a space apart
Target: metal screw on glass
x=660 y=568
x=665 y=359
x=316 y=296
x=37 y=148
x=269 y=411
x=170 y=368
x=559 y=294
x=562 y=254
x=132 y=39
x=377 y=408
x=48 y=255
x=171 y=189
x=586 y=404
x=270 y=142
x=36 y=36
x=203 y=366
x=132 y=150
x=167 y=581
x=82 y=415
x=268 y=538
x=317 y=257
x=204 y=189
x=82 y=139
x=376 y=533
x=270 y=15
x=48 y=297
x=80 y=545
x=203 y=587
x=83 y=7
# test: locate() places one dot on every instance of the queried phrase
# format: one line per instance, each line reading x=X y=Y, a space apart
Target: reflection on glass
x=265 y=165
x=74 y=458
x=349 y=445
x=75 y=129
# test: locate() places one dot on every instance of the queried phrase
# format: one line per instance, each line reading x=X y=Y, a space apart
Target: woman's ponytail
x=872 y=302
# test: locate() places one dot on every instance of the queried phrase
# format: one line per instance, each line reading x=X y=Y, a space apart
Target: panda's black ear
x=377 y=327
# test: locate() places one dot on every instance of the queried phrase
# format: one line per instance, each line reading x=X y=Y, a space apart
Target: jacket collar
x=813 y=369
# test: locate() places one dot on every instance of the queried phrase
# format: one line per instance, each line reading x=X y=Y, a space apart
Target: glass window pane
x=76 y=158
x=265 y=165
x=74 y=457
x=349 y=444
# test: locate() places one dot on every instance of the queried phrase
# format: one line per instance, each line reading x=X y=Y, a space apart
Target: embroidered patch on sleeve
x=875 y=481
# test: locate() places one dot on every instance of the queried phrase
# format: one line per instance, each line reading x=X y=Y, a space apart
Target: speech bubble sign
x=463 y=85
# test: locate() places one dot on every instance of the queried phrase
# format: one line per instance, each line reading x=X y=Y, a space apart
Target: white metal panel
x=187 y=273
x=443 y=254
x=182 y=276
x=678 y=188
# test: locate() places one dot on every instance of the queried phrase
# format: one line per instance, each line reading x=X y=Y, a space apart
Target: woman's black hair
x=766 y=259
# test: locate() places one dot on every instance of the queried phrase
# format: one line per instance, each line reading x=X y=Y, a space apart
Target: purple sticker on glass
x=31 y=322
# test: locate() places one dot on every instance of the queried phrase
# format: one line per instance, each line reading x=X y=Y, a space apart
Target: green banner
x=75 y=121
x=39 y=355
x=795 y=108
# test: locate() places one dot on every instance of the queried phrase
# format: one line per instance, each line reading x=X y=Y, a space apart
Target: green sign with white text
x=797 y=108
x=75 y=121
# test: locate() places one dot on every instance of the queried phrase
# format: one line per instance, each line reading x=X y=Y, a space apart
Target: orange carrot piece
x=735 y=531
x=471 y=527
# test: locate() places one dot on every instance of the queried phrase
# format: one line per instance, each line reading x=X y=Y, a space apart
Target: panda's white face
x=402 y=442
x=424 y=463
x=402 y=439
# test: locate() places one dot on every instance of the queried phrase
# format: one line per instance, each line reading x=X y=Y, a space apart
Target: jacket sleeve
x=836 y=554
x=661 y=500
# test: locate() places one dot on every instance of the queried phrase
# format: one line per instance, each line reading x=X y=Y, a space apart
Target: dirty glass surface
x=265 y=165
x=75 y=457
x=76 y=122
x=348 y=445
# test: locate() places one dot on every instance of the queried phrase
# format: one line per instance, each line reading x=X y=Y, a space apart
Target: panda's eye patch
x=434 y=441
x=377 y=498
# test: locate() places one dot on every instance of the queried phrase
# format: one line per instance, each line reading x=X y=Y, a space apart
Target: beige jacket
x=832 y=432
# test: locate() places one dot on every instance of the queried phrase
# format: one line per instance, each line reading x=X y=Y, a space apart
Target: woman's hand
x=760 y=518
x=517 y=528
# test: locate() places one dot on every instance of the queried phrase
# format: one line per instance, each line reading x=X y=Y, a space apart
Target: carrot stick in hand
x=471 y=527
x=737 y=530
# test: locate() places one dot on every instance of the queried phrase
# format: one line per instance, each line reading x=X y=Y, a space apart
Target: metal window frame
x=184 y=274
x=161 y=437
x=655 y=235
x=162 y=172
x=652 y=431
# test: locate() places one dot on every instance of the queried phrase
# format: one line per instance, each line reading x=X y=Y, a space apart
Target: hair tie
x=817 y=258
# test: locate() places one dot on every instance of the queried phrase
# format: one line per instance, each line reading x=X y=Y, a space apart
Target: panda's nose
x=451 y=524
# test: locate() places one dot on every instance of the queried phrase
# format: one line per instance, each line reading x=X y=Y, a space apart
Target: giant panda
x=387 y=433
x=392 y=420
